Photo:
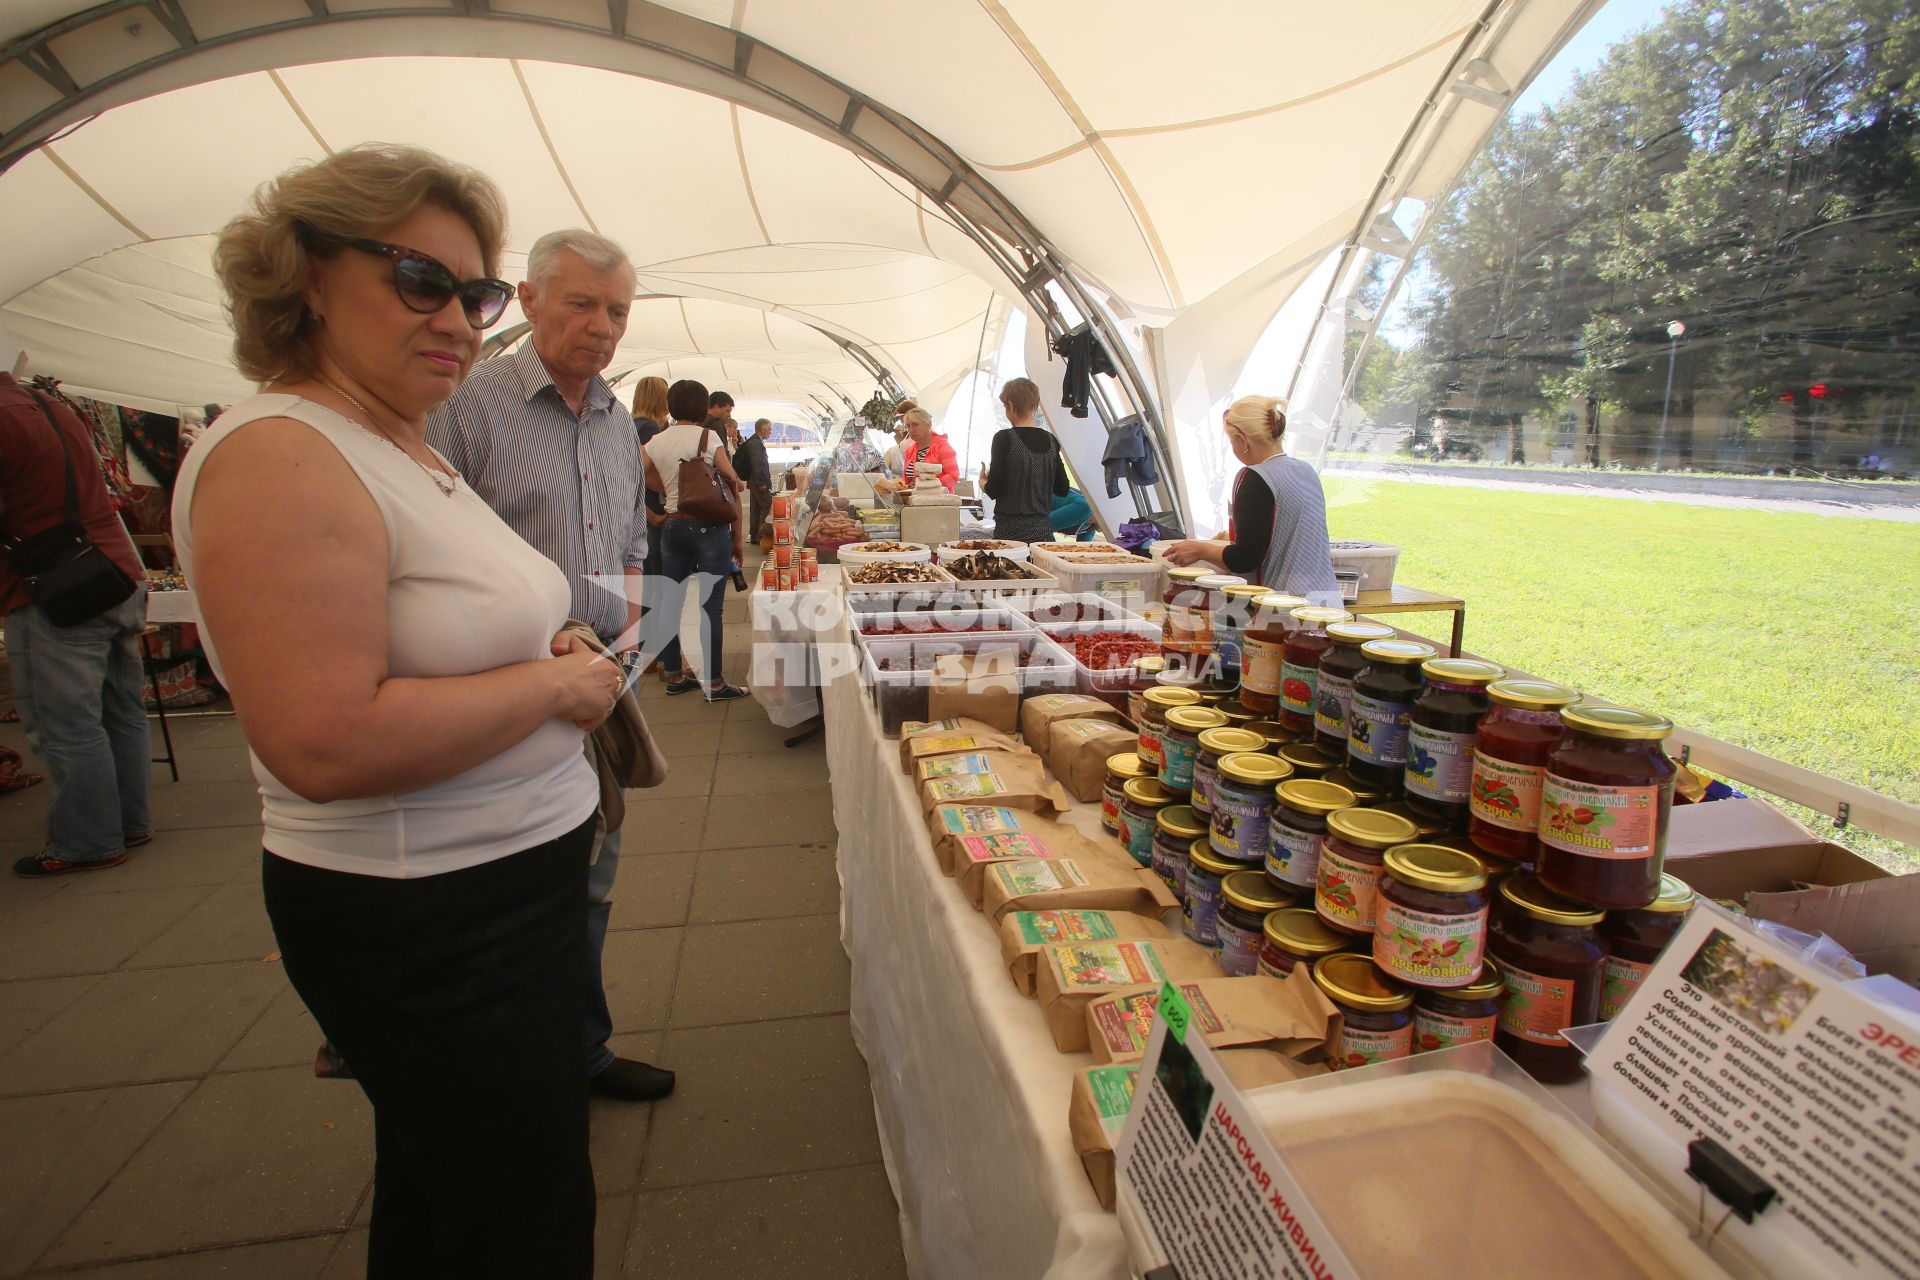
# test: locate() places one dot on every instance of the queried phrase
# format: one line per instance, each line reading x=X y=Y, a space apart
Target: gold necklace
x=444 y=485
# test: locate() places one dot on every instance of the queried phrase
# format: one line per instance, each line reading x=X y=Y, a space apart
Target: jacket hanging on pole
x=1085 y=357
x=1129 y=456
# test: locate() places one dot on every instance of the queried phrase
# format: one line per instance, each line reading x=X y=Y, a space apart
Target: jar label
x=1149 y=744
x=1598 y=820
x=955 y=766
x=1106 y=964
x=1206 y=773
x=1171 y=866
x=1346 y=892
x=1443 y=1030
x=1125 y=1021
x=1005 y=847
x=1188 y=630
x=1239 y=822
x=1623 y=978
x=1201 y=913
x=972 y=819
x=1296 y=687
x=1022 y=878
x=1377 y=732
x=1506 y=794
x=1042 y=927
x=1176 y=761
x=1293 y=857
x=1227 y=646
x=1112 y=1090
x=1137 y=833
x=1427 y=949
x=1439 y=765
x=1536 y=1007
x=1260 y=662
x=1239 y=949
x=1110 y=798
x=1356 y=1048
x=969 y=787
x=1332 y=704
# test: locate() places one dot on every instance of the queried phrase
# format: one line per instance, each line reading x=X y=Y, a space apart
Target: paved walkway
x=159 y=1118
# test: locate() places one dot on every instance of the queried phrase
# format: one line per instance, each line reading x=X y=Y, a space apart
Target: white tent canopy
x=898 y=175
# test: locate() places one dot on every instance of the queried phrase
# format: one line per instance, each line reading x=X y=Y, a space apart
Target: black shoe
x=725 y=693
x=683 y=685
x=38 y=866
x=631 y=1081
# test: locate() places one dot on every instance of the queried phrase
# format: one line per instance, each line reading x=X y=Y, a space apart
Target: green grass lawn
x=1795 y=635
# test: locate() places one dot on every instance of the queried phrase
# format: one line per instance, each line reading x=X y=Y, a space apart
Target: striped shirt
x=571 y=486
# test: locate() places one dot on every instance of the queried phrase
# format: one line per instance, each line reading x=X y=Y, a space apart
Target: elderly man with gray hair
x=540 y=437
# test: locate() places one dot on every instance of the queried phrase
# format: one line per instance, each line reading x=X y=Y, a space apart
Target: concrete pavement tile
x=758 y=884
x=206 y=804
x=689 y=774
x=281 y=1260
x=56 y=1152
x=612 y=1224
x=90 y=933
x=149 y=1024
x=229 y=924
x=750 y=730
x=617 y=1138
x=636 y=971
x=690 y=737
x=670 y=825
x=202 y=732
x=204 y=764
x=177 y=858
x=28 y=1005
x=284 y=1036
x=751 y=773
x=652 y=892
x=833 y=1222
x=17 y=894
x=660 y=710
x=761 y=969
x=758 y=1099
x=797 y=817
x=247 y=1150
x=349 y=1261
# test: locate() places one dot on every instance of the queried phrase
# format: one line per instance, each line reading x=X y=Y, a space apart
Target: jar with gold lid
x=1440 y=736
x=1206 y=874
x=1263 y=650
x=1243 y=804
x=1297 y=828
x=1376 y=1012
x=1214 y=743
x=1121 y=769
x=1383 y=698
x=1462 y=1015
x=1155 y=704
x=1175 y=828
x=1604 y=806
x=1180 y=743
x=1247 y=899
x=1431 y=926
x=1346 y=890
x=1300 y=665
x=1295 y=936
x=1550 y=952
x=1636 y=937
x=1141 y=801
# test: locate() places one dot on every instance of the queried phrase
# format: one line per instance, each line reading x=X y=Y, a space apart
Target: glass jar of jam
x=1146 y=674
x=1550 y=953
x=1383 y=696
x=1308 y=761
x=1141 y=801
x=1426 y=830
x=1215 y=743
x=1243 y=804
x=1300 y=665
x=1181 y=623
x=1271 y=732
x=1297 y=829
x=1262 y=648
x=1604 y=806
x=1154 y=705
x=1180 y=743
x=1237 y=715
x=1230 y=623
x=1121 y=769
x=1431 y=926
x=1175 y=828
x=1333 y=695
x=1346 y=889
x=1635 y=938
x=1376 y=1013
x=1365 y=794
x=1200 y=912
x=1440 y=736
x=1248 y=898
x=1443 y=1019
x=1294 y=936
x=1510 y=753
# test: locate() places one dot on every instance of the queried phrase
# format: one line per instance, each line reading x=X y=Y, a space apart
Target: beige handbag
x=622 y=750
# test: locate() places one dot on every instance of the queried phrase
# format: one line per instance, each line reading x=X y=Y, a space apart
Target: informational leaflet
x=1813 y=1088
x=1200 y=1174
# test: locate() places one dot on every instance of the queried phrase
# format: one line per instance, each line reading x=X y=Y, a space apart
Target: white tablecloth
x=786 y=625
x=970 y=1093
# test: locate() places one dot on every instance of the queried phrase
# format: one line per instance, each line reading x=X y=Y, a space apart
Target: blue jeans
x=703 y=552
x=78 y=690
x=599 y=911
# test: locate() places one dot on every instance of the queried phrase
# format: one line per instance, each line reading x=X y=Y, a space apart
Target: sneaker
x=38 y=866
x=725 y=693
x=686 y=684
x=134 y=842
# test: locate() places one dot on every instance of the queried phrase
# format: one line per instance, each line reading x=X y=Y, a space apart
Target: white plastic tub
x=1133 y=583
x=1373 y=561
x=899 y=672
x=874 y=552
x=947 y=552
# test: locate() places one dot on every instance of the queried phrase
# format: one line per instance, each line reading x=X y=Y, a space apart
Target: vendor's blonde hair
x=912 y=416
x=1261 y=419
x=264 y=256
x=650 y=399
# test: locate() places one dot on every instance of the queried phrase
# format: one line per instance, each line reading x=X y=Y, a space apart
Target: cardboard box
x=1749 y=852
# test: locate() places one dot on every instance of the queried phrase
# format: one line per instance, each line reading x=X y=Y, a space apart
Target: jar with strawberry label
x=1549 y=950
x=1635 y=939
x=1300 y=665
x=1604 y=805
x=1339 y=666
x=1296 y=936
x=1347 y=888
x=1464 y=1015
x=1431 y=926
x=1263 y=651
x=1383 y=698
x=1440 y=736
x=1510 y=751
x=1376 y=1013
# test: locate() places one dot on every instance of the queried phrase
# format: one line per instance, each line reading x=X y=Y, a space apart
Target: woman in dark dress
x=1025 y=471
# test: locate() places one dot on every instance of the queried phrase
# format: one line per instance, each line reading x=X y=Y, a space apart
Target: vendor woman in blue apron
x=1278 y=531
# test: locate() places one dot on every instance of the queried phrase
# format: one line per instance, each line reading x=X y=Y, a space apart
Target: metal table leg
x=1459 y=629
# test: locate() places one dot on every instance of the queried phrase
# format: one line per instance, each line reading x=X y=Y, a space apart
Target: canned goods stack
x=790 y=566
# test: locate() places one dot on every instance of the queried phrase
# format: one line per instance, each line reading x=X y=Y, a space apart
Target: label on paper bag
x=970 y=787
x=1004 y=847
x=1125 y=1021
x=1377 y=732
x=1041 y=927
x=1536 y=1007
x=954 y=766
x=1106 y=964
x=1439 y=765
x=1346 y=891
x=1429 y=950
x=1022 y=878
x=1623 y=979
x=1597 y=820
x=1112 y=1089
x=940 y=746
x=1297 y=684
x=1357 y=1048
x=979 y=819
x=914 y=728
x=1506 y=795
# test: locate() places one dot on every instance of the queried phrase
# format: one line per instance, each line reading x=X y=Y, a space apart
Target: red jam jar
x=1383 y=698
x=1296 y=936
x=1636 y=938
x=1604 y=806
x=1549 y=950
x=1443 y=1019
x=1376 y=1013
x=1333 y=694
x=1440 y=736
x=1263 y=651
x=1430 y=929
x=1346 y=890
x=1510 y=752
x=1300 y=665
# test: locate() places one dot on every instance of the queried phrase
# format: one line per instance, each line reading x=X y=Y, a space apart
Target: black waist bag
x=63 y=571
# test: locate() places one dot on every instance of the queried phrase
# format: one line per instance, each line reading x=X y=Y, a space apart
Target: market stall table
x=785 y=675
x=1399 y=599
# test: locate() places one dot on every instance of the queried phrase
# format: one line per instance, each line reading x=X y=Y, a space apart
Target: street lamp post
x=1674 y=332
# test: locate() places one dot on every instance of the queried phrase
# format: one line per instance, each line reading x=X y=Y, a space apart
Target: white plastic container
x=1049 y=609
x=876 y=552
x=900 y=694
x=947 y=552
x=1133 y=583
x=1374 y=561
x=1110 y=686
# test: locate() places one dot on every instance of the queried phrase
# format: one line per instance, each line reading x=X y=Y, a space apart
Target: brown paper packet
x=976 y=856
x=965 y=735
x=1110 y=882
x=1078 y=750
x=984 y=686
x=1289 y=1016
x=1069 y=976
x=952 y=827
x=1016 y=781
x=1040 y=711
x=1097 y=1111
x=1024 y=934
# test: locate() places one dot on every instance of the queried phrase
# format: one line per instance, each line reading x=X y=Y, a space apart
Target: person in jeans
x=689 y=548
x=78 y=688
x=415 y=716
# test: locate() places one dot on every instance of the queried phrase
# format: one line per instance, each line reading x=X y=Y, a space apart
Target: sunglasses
x=426 y=284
